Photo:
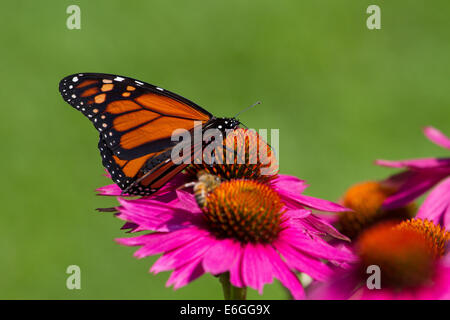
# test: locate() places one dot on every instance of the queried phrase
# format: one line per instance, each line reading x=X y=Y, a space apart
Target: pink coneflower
x=366 y=200
x=412 y=260
x=421 y=175
x=251 y=230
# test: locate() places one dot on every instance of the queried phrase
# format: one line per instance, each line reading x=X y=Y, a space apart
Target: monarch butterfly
x=135 y=121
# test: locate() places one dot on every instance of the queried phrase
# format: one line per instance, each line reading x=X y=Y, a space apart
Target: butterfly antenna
x=243 y=125
x=256 y=103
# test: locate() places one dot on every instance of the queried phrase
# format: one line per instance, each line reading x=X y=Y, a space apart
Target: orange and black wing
x=134 y=118
x=140 y=176
x=135 y=121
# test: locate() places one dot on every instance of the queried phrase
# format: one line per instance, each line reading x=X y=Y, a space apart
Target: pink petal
x=155 y=243
x=446 y=220
x=297 y=214
x=300 y=200
x=282 y=272
x=109 y=190
x=169 y=201
x=437 y=137
x=436 y=204
x=426 y=163
x=289 y=183
x=441 y=287
x=141 y=240
x=323 y=226
x=303 y=263
x=412 y=188
x=396 y=181
x=236 y=271
x=341 y=286
x=329 y=218
x=256 y=268
x=314 y=247
x=156 y=216
x=313 y=226
x=221 y=256
x=186 y=274
x=183 y=254
x=186 y=200
x=166 y=197
x=382 y=294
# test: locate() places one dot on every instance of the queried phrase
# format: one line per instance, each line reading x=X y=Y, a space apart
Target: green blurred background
x=341 y=95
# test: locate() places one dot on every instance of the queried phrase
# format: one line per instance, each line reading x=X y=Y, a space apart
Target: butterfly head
x=226 y=123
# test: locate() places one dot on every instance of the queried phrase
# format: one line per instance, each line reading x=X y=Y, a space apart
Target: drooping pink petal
x=159 y=242
x=315 y=247
x=256 y=268
x=446 y=219
x=322 y=226
x=312 y=225
x=155 y=216
x=221 y=256
x=439 y=287
x=341 y=286
x=282 y=272
x=302 y=262
x=171 y=201
x=185 y=274
x=396 y=181
x=412 y=188
x=179 y=256
x=426 y=163
x=236 y=271
x=297 y=200
x=345 y=247
x=436 y=204
x=437 y=137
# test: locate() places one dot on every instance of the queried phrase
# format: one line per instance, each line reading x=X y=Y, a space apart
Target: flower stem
x=225 y=281
x=238 y=293
x=231 y=292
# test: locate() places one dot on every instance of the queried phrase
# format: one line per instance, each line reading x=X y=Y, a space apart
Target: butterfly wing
x=135 y=121
x=134 y=118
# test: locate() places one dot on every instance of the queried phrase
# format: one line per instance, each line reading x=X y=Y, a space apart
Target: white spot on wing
x=119 y=79
x=75 y=79
x=160 y=89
